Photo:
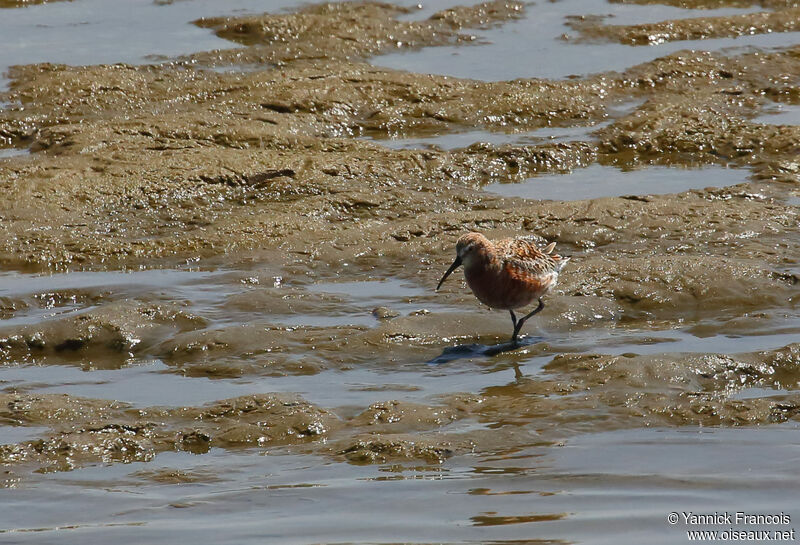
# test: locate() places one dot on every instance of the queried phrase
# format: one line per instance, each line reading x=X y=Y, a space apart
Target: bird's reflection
x=477 y=350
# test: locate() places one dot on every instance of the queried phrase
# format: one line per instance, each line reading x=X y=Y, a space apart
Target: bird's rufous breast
x=503 y=286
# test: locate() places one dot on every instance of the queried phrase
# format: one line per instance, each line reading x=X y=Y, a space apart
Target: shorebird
x=507 y=274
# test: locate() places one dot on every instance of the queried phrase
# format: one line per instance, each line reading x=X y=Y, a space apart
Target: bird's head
x=468 y=248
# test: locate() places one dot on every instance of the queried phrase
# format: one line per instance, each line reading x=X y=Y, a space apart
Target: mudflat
x=232 y=242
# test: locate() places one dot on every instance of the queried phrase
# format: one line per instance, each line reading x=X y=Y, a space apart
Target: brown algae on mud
x=136 y=166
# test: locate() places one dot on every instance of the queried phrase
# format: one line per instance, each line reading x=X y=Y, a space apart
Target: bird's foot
x=500 y=348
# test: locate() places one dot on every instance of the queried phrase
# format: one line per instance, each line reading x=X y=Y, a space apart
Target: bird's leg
x=514 y=321
x=531 y=313
x=518 y=324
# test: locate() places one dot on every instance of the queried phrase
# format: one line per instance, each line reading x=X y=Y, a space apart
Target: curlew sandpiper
x=507 y=274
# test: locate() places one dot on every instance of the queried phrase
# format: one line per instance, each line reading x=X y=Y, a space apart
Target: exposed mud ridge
x=218 y=181
x=238 y=161
x=153 y=166
x=698 y=28
x=87 y=431
x=347 y=31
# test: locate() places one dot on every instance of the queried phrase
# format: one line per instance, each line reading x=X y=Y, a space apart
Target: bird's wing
x=524 y=255
x=518 y=248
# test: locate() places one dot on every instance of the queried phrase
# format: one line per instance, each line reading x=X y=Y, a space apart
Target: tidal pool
x=780 y=114
x=606 y=181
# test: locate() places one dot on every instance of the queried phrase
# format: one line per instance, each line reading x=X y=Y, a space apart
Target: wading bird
x=507 y=274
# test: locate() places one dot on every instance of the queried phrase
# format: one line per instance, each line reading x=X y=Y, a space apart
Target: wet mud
x=349 y=31
x=251 y=160
x=633 y=391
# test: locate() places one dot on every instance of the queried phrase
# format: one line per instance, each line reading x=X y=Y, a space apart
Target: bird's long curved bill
x=456 y=264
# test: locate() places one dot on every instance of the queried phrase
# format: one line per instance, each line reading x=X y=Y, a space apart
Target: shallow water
x=583 y=491
x=456 y=140
x=450 y=140
x=69 y=32
x=780 y=114
x=534 y=47
x=12 y=152
x=596 y=477
x=606 y=181
x=143 y=379
x=15 y=434
x=135 y=31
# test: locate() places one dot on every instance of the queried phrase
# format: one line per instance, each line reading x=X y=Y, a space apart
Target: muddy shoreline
x=266 y=161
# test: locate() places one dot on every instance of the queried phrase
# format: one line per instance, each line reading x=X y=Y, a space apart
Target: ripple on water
x=607 y=181
x=640 y=475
